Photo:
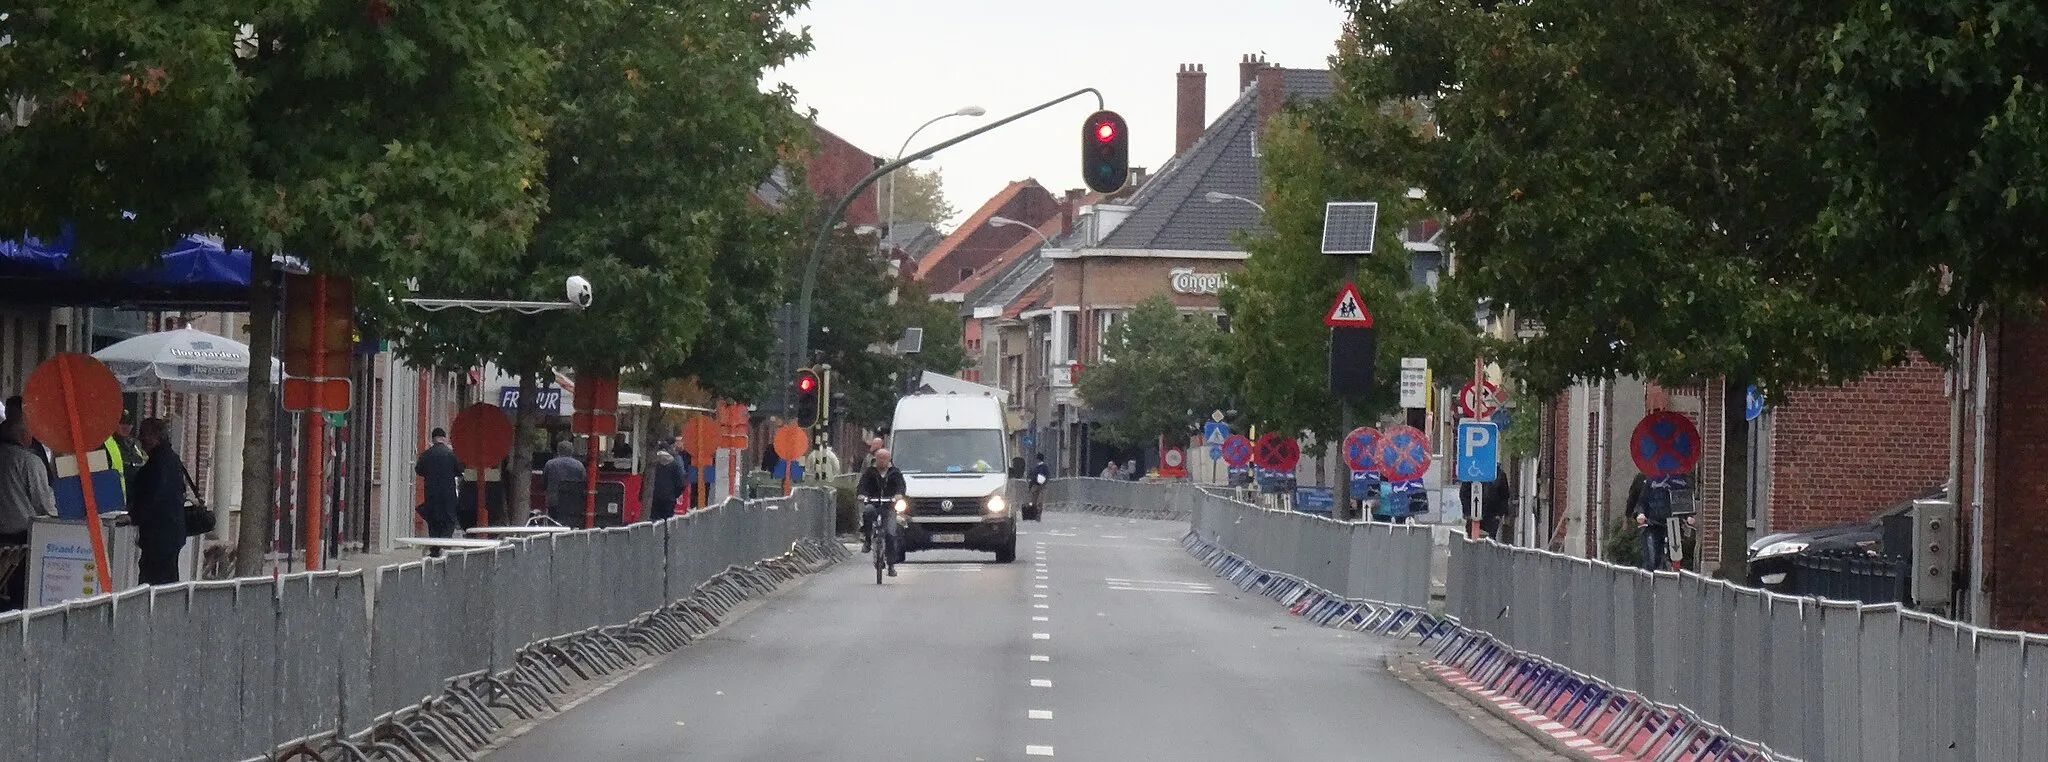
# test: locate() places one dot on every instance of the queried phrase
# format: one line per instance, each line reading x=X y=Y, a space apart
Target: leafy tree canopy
x=910 y=195
x=1162 y=371
x=1278 y=345
x=1639 y=180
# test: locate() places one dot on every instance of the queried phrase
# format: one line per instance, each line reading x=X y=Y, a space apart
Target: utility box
x=1933 y=561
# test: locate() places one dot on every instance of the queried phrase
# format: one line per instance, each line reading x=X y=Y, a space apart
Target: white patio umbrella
x=185 y=360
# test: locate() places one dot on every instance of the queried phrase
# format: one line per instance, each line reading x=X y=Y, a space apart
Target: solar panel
x=912 y=341
x=1348 y=226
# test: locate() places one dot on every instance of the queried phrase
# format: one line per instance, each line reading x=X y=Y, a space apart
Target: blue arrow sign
x=1755 y=406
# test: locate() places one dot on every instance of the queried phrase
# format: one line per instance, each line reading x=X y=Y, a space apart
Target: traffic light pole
x=810 y=280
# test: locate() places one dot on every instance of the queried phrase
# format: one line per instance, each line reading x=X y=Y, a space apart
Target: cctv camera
x=579 y=292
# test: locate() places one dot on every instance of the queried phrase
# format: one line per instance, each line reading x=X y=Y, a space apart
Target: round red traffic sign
x=1478 y=399
x=72 y=402
x=1665 y=444
x=1237 y=451
x=481 y=435
x=1362 y=449
x=1404 y=454
x=1276 y=453
x=1174 y=458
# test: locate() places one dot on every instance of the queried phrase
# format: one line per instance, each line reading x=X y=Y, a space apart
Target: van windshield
x=948 y=451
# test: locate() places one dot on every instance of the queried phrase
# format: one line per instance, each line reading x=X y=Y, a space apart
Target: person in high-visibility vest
x=123 y=455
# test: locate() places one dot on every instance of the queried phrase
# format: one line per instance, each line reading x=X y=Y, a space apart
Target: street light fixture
x=1217 y=197
x=889 y=218
x=1004 y=222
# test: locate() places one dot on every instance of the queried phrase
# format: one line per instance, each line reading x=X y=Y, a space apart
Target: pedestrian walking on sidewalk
x=441 y=479
x=668 y=485
x=156 y=505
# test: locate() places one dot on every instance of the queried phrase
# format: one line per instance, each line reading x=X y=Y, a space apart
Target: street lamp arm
x=810 y=279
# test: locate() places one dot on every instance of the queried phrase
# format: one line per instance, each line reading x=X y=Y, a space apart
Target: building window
x=1105 y=324
x=1223 y=322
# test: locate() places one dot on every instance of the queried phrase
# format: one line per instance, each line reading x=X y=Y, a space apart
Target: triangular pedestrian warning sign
x=1349 y=311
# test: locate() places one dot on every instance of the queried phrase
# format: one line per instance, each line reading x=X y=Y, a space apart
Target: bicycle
x=884 y=536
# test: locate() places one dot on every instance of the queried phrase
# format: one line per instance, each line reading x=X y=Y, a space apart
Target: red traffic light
x=1105 y=132
x=806 y=383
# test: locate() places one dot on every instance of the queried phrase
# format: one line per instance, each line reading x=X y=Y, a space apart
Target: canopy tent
x=197 y=273
x=186 y=360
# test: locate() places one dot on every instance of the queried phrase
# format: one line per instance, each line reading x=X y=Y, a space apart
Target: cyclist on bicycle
x=880 y=485
x=1650 y=504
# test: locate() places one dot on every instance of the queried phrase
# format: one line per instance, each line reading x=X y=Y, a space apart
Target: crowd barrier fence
x=275 y=668
x=1679 y=664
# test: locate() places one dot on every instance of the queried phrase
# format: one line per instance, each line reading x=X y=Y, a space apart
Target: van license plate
x=949 y=538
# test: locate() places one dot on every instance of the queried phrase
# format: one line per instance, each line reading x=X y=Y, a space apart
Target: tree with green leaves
x=910 y=195
x=1642 y=181
x=658 y=134
x=1162 y=370
x=374 y=141
x=1934 y=129
x=1278 y=345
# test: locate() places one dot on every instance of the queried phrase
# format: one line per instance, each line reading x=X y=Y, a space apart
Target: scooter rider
x=880 y=485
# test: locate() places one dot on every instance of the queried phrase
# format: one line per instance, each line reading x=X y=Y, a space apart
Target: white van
x=953 y=450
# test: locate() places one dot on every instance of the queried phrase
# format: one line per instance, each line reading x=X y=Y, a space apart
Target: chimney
x=1248 y=70
x=1138 y=175
x=1069 y=207
x=1191 y=112
x=1272 y=93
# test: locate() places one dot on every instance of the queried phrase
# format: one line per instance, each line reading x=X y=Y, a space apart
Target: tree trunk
x=519 y=466
x=259 y=468
x=651 y=440
x=1734 y=479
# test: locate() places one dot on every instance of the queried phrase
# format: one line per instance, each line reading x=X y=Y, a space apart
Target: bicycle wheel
x=879 y=543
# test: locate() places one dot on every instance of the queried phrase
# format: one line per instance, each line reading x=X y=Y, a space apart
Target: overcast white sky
x=883 y=67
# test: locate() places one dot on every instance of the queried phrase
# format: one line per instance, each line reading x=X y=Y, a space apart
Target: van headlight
x=902 y=506
x=996 y=504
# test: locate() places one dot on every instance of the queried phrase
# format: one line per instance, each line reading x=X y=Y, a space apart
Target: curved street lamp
x=888 y=219
x=1005 y=222
x=1217 y=197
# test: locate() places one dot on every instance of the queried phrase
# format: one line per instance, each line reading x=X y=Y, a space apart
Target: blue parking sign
x=1478 y=451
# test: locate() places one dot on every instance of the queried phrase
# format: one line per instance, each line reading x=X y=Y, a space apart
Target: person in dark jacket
x=880 y=483
x=156 y=505
x=441 y=476
x=565 y=480
x=668 y=486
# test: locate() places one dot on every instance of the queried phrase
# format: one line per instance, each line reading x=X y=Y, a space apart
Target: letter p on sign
x=1478 y=451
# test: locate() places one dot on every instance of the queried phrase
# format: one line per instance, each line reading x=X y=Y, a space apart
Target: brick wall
x=2017 y=456
x=832 y=169
x=1843 y=454
x=1559 y=454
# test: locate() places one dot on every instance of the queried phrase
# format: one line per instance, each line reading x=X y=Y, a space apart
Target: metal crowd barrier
x=1813 y=679
x=1667 y=665
x=426 y=665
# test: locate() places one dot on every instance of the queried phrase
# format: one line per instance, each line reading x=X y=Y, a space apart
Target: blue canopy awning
x=197 y=273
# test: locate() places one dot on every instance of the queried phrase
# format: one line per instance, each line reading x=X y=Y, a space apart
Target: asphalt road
x=1105 y=641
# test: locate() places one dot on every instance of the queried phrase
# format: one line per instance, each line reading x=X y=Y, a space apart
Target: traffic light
x=806 y=397
x=1105 y=152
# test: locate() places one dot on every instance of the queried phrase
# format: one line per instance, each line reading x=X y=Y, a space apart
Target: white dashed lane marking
x=1040 y=657
x=1041 y=636
x=1040 y=714
x=1041 y=605
x=1039 y=682
x=1041 y=619
x=1158 y=586
x=1038 y=751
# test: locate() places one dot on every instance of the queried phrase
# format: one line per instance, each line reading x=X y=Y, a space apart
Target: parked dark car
x=1771 y=556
